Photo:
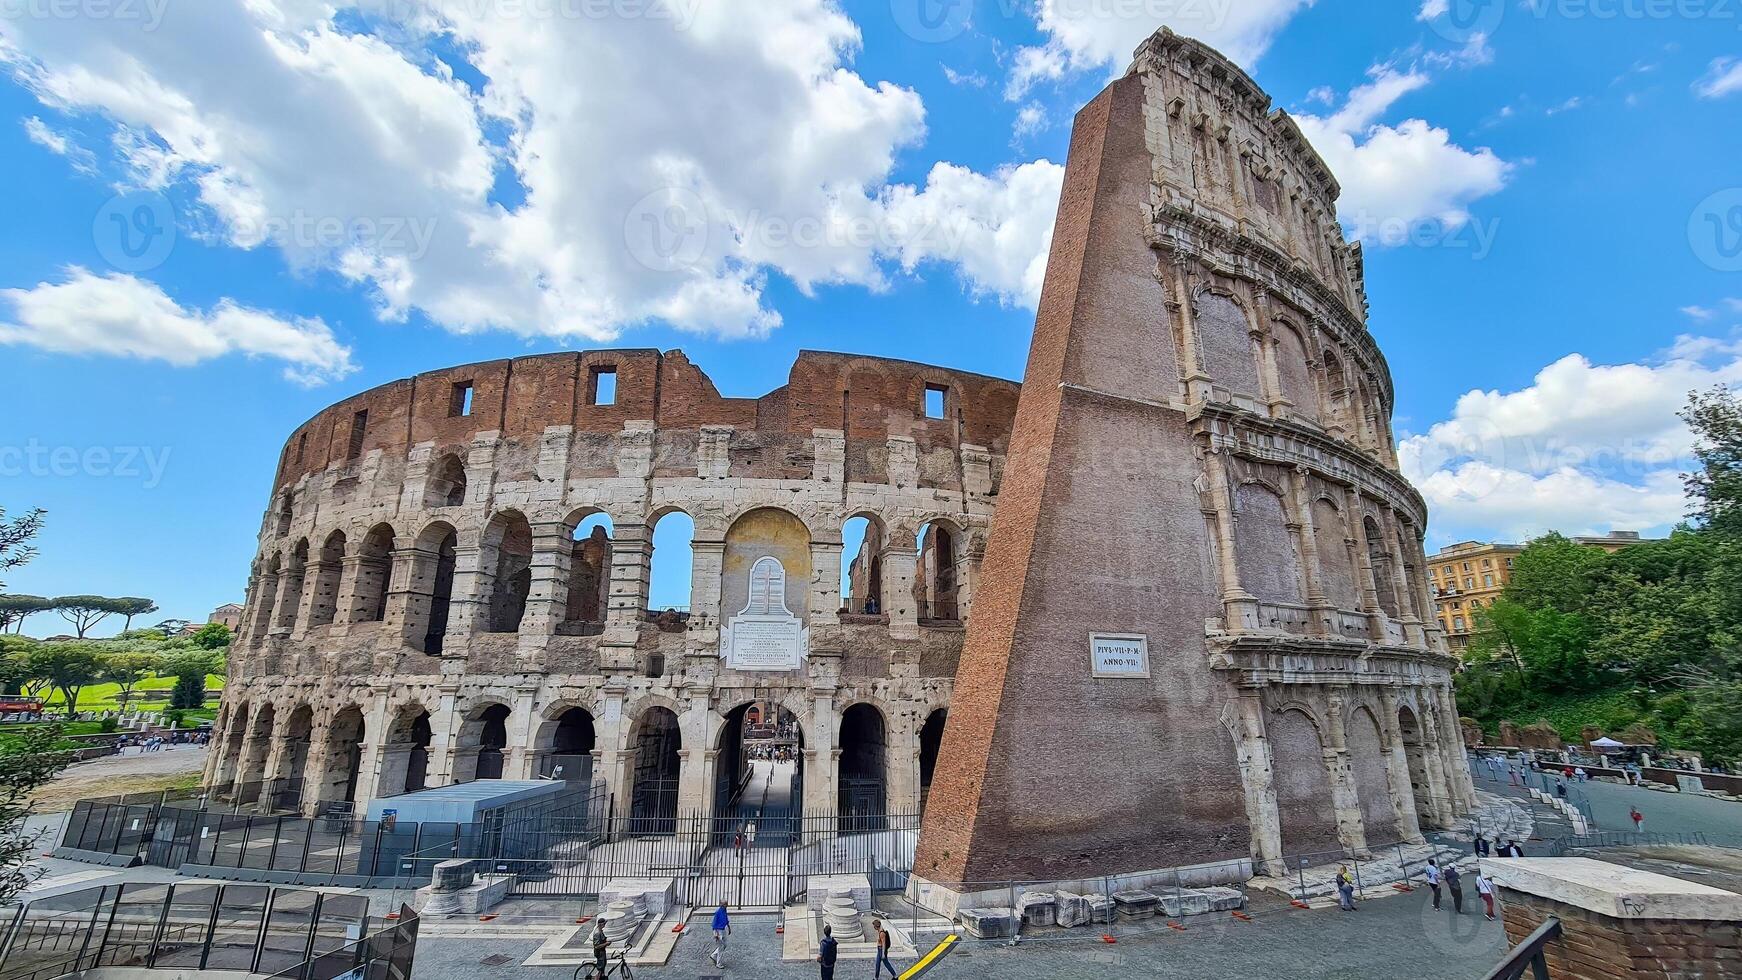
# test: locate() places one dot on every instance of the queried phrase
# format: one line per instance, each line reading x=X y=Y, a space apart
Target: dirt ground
x=172 y=768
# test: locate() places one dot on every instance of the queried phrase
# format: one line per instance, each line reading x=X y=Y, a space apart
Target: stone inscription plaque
x=1118 y=655
x=765 y=636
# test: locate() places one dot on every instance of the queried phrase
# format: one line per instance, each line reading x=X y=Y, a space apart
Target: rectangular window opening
x=604 y=386
x=460 y=406
x=301 y=448
x=934 y=401
x=359 y=425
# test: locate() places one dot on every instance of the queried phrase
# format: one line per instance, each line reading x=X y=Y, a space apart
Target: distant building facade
x=1466 y=578
x=229 y=614
x=1613 y=541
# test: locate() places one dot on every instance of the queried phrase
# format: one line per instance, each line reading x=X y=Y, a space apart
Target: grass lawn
x=101 y=697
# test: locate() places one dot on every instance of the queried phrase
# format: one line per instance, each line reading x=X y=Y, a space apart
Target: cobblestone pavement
x=1665 y=813
x=1399 y=936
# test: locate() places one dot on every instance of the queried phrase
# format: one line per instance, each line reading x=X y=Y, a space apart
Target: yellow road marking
x=928 y=960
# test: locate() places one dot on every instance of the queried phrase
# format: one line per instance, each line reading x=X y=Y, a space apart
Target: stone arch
x=294 y=740
x=1225 y=350
x=931 y=741
x=446 y=484
x=589 y=582
x=655 y=760
x=1379 y=558
x=405 y=751
x=1337 y=577
x=766 y=532
x=343 y=757
x=432 y=587
x=1303 y=785
x=229 y=768
x=1415 y=749
x=565 y=741
x=1265 y=549
x=862 y=775
x=1294 y=369
x=937 y=573
x=325 y=605
x=481 y=745
x=256 y=747
x=1370 y=765
x=671 y=533
x=374 y=574
x=266 y=595
x=290 y=592
x=507 y=554
x=864 y=536
x=286 y=512
x=1338 y=391
x=759 y=751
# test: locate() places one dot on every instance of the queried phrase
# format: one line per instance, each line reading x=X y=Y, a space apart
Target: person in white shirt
x=1485 y=888
x=1433 y=880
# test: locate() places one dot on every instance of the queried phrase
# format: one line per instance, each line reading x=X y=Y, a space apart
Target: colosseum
x=1201 y=631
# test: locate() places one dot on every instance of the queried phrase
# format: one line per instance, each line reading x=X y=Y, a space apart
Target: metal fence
x=196 y=926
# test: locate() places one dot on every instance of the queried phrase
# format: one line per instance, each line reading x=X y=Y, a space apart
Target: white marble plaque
x=765 y=636
x=1118 y=655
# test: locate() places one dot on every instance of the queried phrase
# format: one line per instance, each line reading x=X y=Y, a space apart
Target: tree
x=1716 y=487
x=85 y=611
x=190 y=670
x=126 y=670
x=15 y=608
x=171 y=627
x=15 y=538
x=67 y=667
x=27 y=762
x=131 y=606
x=212 y=636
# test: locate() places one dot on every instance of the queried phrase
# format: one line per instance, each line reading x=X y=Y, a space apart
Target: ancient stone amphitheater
x=455 y=573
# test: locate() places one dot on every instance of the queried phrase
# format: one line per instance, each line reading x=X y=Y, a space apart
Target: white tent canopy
x=1608 y=743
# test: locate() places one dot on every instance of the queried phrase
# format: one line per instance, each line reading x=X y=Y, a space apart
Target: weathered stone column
x=825 y=586
x=1240 y=608
x=547 y=598
x=517 y=754
x=822 y=765
x=616 y=762
x=468 y=609
x=375 y=741
x=444 y=727
x=1244 y=719
x=345 y=611
x=1397 y=771
x=626 y=605
x=698 y=755
x=1457 y=759
x=900 y=565
x=310 y=597
x=1433 y=760
x=1407 y=614
x=1345 y=797
x=287 y=604
x=1302 y=513
x=1364 y=566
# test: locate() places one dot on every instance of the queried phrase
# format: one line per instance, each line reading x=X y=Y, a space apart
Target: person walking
x=722 y=929
x=601 y=946
x=1345 y=889
x=882 y=952
x=1638 y=819
x=1481 y=845
x=827 y=951
x=1560 y=788
x=1454 y=884
x=750 y=835
x=1432 y=871
x=1485 y=888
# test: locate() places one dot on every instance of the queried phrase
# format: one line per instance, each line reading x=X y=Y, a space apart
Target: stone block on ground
x=988 y=923
x=652 y=896
x=1180 y=902
x=1135 y=904
x=821 y=888
x=1036 y=908
x=1071 y=910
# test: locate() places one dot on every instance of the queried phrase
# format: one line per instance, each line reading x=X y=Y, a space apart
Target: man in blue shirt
x=827 y=951
x=722 y=929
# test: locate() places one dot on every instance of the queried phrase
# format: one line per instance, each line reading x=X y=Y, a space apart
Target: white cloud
x=1091 y=35
x=1585 y=447
x=972 y=79
x=60 y=144
x=1030 y=120
x=559 y=204
x=1568 y=106
x=1697 y=312
x=1432 y=8
x=996 y=229
x=1408 y=172
x=1724 y=77
x=123 y=316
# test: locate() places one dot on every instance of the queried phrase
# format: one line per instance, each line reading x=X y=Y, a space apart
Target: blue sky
x=1562 y=176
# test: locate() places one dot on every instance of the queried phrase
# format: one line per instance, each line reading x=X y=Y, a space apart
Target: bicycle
x=589 y=971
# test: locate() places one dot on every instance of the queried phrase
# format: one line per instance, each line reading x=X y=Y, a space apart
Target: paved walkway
x=1665 y=813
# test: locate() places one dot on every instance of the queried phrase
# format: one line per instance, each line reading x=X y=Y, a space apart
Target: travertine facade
x=1202 y=463
x=422 y=608
x=1202 y=458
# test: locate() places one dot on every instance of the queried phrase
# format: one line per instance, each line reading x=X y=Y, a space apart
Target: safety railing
x=1529 y=957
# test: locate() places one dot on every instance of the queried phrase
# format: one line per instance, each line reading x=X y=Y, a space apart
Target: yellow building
x=1465 y=578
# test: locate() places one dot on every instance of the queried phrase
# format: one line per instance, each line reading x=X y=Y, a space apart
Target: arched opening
x=862 y=796
x=759 y=774
x=266 y=596
x=374 y=570
x=1265 y=550
x=1380 y=560
x=1336 y=568
x=934 y=580
x=1336 y=391
x=589 y=585
x=332 y=565
x=405 y=755
x=432 y=587
x=290 y=601
x=508 y=541
x=1369 y=766
x=670 y=568
x=492 y=741
x=863 y=540
x=286 y=511
x=1415 y=751
x=446 y=486
x=567 y=752
x=288 y=776
x=931 y=742
x=1303 y=786
x=654 y=745
x=344 y=748
x=251 y=774
x=229 y=765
